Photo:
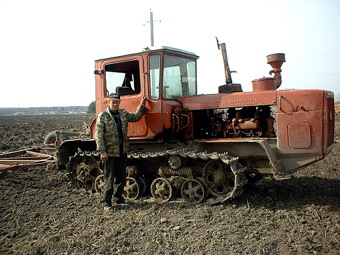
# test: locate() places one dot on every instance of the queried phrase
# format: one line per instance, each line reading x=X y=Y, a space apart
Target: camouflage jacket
x=107 y=133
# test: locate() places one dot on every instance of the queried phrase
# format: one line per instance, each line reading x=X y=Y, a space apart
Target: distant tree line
x=92 y=108
x=44 y=110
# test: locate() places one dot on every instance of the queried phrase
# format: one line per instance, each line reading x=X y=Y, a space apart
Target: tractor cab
x=162 y=75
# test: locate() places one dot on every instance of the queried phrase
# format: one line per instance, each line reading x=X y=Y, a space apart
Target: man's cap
x=114 y=96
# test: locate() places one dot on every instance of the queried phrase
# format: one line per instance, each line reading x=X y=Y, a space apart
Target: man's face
x=114 y=104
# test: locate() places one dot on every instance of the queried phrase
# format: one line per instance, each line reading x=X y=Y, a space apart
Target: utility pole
x=152 y=37
x=151 y=29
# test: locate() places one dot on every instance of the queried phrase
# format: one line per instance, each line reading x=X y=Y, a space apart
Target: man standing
x=113 y=144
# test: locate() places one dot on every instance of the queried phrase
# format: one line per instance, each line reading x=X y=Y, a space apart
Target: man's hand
x=104 y=156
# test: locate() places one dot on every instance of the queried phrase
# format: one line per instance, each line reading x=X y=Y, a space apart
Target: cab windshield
x=179 y=77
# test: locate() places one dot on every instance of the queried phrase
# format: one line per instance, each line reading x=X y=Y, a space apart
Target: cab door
x=124 y=75
x=153 y=88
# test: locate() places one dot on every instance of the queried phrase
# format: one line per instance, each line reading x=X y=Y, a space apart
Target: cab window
x=122 y=78
x=179 y=77
x=154 y=63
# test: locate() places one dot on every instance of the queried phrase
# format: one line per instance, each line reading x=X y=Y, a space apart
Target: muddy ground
x=42 y=213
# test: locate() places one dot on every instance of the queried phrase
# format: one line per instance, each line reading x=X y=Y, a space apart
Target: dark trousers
x=114 y=168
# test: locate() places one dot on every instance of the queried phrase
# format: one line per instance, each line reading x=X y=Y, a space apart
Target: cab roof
x=156 y=49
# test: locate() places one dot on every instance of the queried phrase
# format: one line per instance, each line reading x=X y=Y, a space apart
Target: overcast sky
x=48 y=48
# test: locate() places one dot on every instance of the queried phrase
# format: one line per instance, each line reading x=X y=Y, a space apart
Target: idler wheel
x=161 y=190
x=218 y=177
x=193 y=191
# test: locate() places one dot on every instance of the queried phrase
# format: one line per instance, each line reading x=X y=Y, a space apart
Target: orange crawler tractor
x=202 y=147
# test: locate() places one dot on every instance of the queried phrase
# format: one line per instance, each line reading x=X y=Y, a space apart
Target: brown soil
x=42 y=213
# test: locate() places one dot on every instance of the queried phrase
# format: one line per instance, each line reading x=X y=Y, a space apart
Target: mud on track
x=41 y=213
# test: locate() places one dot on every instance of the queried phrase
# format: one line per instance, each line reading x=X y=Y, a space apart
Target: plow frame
x=26 y=158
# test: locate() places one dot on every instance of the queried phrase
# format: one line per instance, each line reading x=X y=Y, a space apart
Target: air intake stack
x=269 y=83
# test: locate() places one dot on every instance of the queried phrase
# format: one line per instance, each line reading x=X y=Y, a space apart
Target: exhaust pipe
x=229 y=87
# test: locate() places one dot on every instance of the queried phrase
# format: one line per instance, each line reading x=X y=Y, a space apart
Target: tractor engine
x=254 y=121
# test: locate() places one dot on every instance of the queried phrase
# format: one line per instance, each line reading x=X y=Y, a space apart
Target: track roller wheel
x=132 y=189
x=161 y=190
x=193 y=191
x=99 y=183
x=142 y=186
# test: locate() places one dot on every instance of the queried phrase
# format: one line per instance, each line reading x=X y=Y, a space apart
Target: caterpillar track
x=196 y=176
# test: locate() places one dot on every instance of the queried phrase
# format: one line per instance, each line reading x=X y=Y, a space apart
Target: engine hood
x=219 y=101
